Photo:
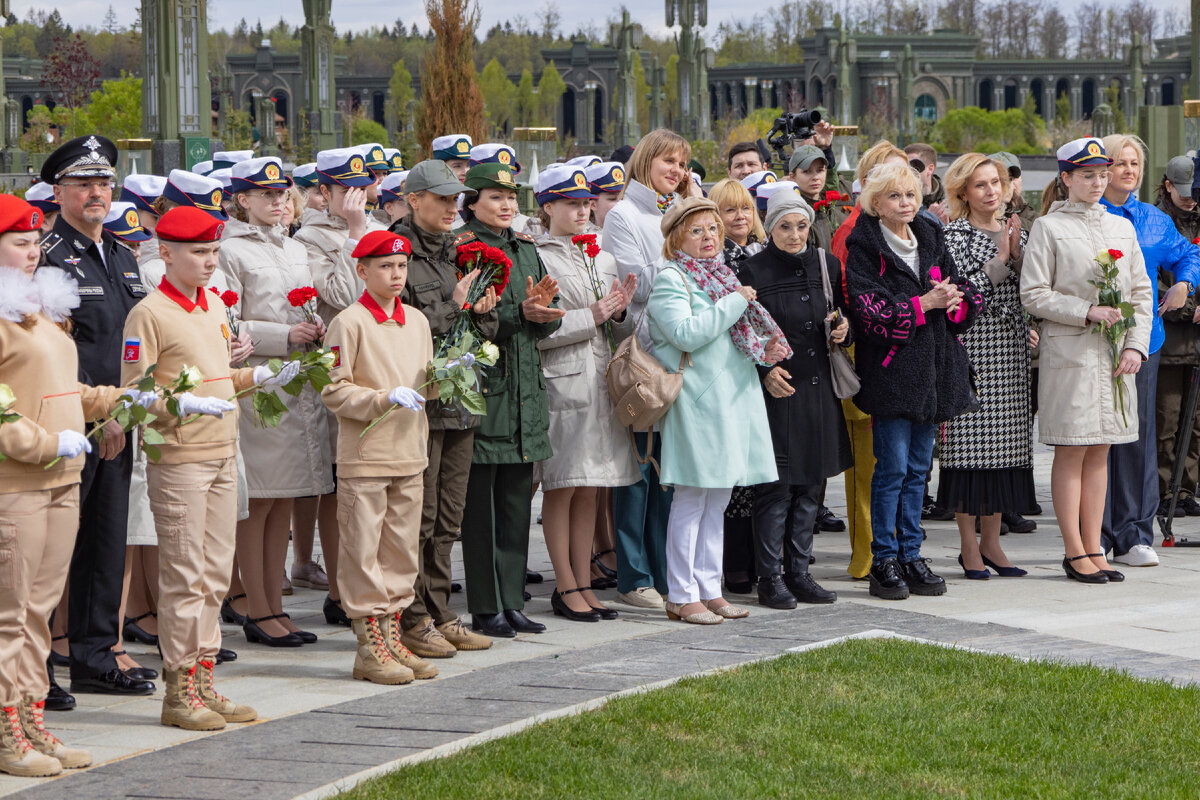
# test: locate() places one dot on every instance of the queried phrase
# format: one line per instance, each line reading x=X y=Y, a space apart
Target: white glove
x=287 y=373
x=72 y=443
x=143 y=399
x=409 y=398
x=191 y=404
x=467 y=360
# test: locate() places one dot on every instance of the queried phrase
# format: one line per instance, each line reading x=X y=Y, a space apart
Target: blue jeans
x=640 y=514
x=903 y=451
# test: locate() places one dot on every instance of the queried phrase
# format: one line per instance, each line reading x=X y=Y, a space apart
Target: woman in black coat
x=807 y=426
x=908 y=304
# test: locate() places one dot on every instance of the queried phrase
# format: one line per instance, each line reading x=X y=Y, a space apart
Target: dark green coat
x=516 y=428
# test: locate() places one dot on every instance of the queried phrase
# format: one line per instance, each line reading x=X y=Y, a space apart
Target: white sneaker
x=1140 y=555
x=642 y=597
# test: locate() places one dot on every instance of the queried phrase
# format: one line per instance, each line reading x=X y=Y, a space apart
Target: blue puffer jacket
x=1163 y=247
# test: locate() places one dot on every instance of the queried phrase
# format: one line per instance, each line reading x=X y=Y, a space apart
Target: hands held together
x=536 y=305
x=944 y=294
x=616 y=301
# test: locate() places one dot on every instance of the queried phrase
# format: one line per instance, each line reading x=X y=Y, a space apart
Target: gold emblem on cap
x=1093 y=149
x=377 y=155
x=504 y=176
x=272 y=172
x=131 y=218
x=770 y=178
x=462 y=147
x=216 y=197
x=618 y=175
x=580 y=181
x=356 y=164
x=503 y=157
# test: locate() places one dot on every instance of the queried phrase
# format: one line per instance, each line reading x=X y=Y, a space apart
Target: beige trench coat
x=1076 y=392
x=590 y=448
x=329 y=261
x=262 y=265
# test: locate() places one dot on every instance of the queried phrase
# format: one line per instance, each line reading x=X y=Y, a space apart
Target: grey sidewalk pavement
x=318 y=725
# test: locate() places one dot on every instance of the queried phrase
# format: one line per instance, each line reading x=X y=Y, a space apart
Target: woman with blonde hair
x=987 y=457
x=657 y=177
x=908 y=305
x=1084 y=399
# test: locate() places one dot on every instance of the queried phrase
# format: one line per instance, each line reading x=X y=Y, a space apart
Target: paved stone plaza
x=319 y=727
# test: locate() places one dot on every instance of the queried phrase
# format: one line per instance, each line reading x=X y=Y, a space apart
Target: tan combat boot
x=33 y=724
x=17 y=756
x=374 y=661
x=422 y=669
x=427 y=641
x=215 y=701
x=457 y=634
x=182 y=706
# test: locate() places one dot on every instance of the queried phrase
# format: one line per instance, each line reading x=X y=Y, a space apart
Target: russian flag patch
x=133 y=350
x=337 y=355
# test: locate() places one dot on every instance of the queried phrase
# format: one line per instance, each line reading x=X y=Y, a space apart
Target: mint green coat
x=716 y=433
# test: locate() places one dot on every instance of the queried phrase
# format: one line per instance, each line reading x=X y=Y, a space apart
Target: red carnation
x=833 y=194
x=1117 y=255
x=299 y=297
x=592 y=250
x=229 y=298
x=584 y=239
x=215 y=290
x=468 y=252
x=495 y=255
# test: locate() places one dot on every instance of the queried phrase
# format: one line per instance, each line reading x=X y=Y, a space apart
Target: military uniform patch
x=133 y=350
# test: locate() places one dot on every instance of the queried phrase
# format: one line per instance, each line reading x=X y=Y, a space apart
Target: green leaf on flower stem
x=151 y=436
x=123 y=418
x=146 y=384
x=269 y=408
x=11 y=416
x=150 y=418
x=295 y=385
x=1126 y=310
x=318 y=378
x=173 y=406
x=474 y=403
x=138 y=413
x=467 y=342
x=445 y=391
x=275 y=364
x=152 y=452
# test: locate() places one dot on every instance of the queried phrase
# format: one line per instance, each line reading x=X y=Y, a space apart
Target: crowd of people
x=823 y=324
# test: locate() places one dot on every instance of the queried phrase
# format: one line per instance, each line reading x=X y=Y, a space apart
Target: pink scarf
x=716 y=280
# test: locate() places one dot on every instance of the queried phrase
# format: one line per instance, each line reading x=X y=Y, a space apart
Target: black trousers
x=495 y=536
x=98 y=563
x=784 y=515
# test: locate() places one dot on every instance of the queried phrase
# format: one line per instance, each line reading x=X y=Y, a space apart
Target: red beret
x=380 y=243
x=189 y=224
x=17 y=215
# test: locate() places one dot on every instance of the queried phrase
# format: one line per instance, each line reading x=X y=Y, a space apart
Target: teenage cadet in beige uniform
x=382 y=349
x=39 y=504
x=193 y=486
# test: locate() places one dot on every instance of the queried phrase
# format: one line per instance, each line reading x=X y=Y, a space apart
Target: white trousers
x=695 y=543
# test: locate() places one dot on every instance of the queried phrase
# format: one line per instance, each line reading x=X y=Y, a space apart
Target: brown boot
x=421 y=668
x=215 y=701
x=427 y=641
x=182 y=706
x=457 y=634
x=34 y=725
x=374 y=661
x=17 y=755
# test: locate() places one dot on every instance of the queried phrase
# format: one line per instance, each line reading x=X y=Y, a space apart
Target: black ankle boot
x=806 y=590
x=773 y=593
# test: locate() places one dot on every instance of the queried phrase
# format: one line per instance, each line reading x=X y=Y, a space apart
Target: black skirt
x=981 y=492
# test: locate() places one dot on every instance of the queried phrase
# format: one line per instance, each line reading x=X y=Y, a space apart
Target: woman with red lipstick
x=987 y=457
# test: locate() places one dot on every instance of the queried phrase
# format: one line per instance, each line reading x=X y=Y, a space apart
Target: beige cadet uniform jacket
x=262 y=265
x=590 y=448
x=326 y=238
x=1077 y=400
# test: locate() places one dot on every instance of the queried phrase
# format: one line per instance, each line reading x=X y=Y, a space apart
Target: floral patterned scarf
x=716 y=279
x=664 y=202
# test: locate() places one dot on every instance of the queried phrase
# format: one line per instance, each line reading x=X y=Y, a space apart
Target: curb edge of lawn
x=351 y=781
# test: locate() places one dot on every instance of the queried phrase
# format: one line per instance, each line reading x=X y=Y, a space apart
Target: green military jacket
x=516 y=427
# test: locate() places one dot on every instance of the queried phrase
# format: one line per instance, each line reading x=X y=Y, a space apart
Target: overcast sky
x=357 y=14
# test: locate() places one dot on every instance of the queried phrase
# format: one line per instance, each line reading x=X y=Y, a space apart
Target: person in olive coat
x=807 y=426
x=515 y=431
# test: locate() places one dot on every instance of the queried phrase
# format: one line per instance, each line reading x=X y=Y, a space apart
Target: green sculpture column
x=1137 y=89
x=692 y=15
x=176 y=97
x=626 y=38
x=316 y=55
x=658 y=81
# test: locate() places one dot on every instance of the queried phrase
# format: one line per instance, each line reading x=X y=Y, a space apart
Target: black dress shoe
x=494 y=625
x=227 y=612
x=606 y=613
x=1083 y=577
x=563 y=610
x=920 y=578
x=773 y=593
x=137 y=673
x=224 y=655
x=455 y=587
x=1165 y=506
x=1034 y=511
x=533 y=577
x=305 y=636
x=521 y=623
x=526 y=596
x=56 y=659
x=1018 y=524
x=605 y=569
x=1189 y=506
x=136 y=633
x=828 y=522
x=259 y=636
x=806 y=590
x=111 y=682
x=57 y=698
x=887 y=581
x=334 y=613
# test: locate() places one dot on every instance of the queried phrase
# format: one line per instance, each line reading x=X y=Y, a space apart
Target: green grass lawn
x=869 y=718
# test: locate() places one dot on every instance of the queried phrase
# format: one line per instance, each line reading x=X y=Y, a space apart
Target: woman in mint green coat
x=716 y=434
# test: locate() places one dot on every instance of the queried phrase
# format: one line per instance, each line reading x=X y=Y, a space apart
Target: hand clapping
x=536 y=305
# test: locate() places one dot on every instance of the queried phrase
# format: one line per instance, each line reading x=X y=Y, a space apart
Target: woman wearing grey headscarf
x=807 y=427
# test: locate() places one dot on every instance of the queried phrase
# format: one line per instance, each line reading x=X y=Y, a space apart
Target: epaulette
x=50 y=241
x=525 y=237
x=464 y=238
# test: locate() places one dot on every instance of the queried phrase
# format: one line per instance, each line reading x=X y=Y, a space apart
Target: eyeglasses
x=87 y=186
x=696 y=232
x=1097 y=177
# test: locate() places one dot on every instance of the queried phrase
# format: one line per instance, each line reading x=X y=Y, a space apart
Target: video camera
x=787 y=129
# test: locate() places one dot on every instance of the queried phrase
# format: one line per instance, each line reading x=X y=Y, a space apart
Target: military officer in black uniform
x=82 y=171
